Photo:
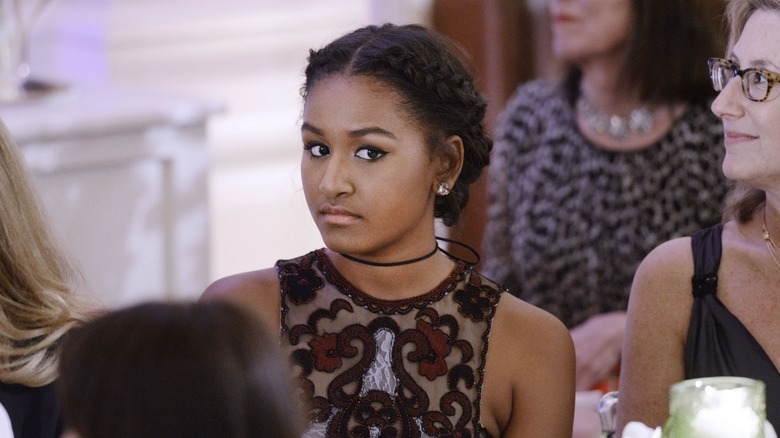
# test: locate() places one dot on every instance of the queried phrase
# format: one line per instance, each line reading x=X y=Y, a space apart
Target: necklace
x=770 y=245
x=402 y=262
x=640 y=121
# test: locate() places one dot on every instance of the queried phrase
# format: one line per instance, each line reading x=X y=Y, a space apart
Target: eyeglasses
x=756 y=82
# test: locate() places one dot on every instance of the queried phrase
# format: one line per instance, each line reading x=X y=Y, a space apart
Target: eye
x=370 y=153
x=758 y=78
x=317 y=149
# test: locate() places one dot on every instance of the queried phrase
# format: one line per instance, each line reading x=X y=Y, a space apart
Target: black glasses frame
x=772 y=78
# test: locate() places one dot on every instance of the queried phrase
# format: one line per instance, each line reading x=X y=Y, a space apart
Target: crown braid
x=437 y=88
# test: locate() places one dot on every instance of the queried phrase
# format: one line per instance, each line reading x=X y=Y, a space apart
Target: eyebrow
x=761 y=63
x=362 y=132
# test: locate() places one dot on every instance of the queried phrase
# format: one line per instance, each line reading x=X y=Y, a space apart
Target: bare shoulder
x=665 y=272
x=257 y=291
x=539 y=328
x=529 y=377
x=529 y=336
x=661 y=293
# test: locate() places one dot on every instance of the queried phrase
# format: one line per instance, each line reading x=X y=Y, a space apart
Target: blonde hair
x=744 y=201
x=37 y=304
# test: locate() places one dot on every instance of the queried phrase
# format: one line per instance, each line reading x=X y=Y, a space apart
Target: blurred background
x=164 y=138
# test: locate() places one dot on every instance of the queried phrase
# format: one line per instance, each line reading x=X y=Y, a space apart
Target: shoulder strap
x=706 y=246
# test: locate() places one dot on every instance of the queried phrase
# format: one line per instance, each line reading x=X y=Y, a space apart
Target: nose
x=335 y=180
x=730 y=100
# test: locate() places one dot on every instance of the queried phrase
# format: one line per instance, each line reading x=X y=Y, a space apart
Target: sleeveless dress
x=718 y=344
x=376 y=368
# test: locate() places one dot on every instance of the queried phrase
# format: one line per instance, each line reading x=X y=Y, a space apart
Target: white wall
x=247 y=54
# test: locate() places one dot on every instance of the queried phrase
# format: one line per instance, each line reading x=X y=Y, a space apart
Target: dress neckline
x=380 y=305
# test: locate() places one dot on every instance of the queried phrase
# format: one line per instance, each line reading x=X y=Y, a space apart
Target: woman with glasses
x=590 y=173
x=708 y=304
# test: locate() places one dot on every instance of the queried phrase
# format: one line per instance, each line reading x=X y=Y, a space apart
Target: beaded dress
x=375 y=368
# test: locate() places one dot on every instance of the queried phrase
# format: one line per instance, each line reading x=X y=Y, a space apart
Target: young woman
x=388 y=334
x=707 y=305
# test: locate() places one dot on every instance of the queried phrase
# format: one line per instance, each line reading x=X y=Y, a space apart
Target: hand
x=597 y=343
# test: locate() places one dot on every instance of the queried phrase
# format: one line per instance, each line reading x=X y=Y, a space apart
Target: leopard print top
x=569 y=222
x=376 y=368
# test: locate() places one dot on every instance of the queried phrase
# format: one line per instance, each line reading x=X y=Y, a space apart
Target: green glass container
x=716 y=407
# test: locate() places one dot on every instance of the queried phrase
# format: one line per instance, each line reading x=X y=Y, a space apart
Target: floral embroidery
x=324 y=350
x=302 y=283
x=433 y=362
x=473 y=303
x=424 y=378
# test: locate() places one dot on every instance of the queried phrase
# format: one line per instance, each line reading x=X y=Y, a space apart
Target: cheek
x=310 y=180
x=768 y=123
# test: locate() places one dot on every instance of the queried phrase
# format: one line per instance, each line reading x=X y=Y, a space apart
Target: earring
x=443 y=189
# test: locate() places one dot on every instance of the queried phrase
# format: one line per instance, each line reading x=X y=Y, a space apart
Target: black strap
x=459 y=243
x=707 y=247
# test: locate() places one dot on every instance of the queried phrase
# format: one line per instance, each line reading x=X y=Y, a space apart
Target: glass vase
x=715 y=407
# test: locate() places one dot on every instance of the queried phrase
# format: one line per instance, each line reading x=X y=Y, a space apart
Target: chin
x=734 y=170
x=340 y=244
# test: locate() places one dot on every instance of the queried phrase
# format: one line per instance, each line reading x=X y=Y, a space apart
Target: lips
x=731 y=137
x=338 y=215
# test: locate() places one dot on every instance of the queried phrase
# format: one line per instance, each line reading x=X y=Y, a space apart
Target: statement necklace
x=640 y=121
x=770 y=245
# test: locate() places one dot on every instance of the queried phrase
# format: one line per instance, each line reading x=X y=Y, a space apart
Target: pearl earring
x=443 y=189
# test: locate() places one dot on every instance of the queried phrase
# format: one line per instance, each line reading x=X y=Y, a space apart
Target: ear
x=448 y=162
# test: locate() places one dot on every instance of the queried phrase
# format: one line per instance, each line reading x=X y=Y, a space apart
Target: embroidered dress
x=569 y=222
x=376 y=368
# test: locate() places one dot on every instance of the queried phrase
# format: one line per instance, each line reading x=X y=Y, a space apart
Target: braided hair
x=438 y=90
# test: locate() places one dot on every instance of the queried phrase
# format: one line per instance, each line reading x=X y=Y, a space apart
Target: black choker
x=402 y=262
x=419 y=259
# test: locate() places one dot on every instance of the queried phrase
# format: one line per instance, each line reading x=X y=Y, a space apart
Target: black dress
x=33 y=411
x=718 y=344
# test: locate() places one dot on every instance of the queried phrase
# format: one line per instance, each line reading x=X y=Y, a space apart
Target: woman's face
x=367 y=175
x=586 y=29
x=752 y=129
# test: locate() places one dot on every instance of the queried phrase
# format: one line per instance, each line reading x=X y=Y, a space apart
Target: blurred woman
x=590 y=173
x=37 y=303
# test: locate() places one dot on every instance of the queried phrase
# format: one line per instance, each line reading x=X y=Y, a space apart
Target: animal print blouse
x=569 y=222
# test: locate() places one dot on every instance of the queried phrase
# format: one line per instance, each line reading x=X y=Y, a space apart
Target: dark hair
x=204 y=369
x=744 y=201
x=436 y=86
x=668 y=51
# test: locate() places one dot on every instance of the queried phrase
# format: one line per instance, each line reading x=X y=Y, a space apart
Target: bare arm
x=530 y=373
x=659 y=311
